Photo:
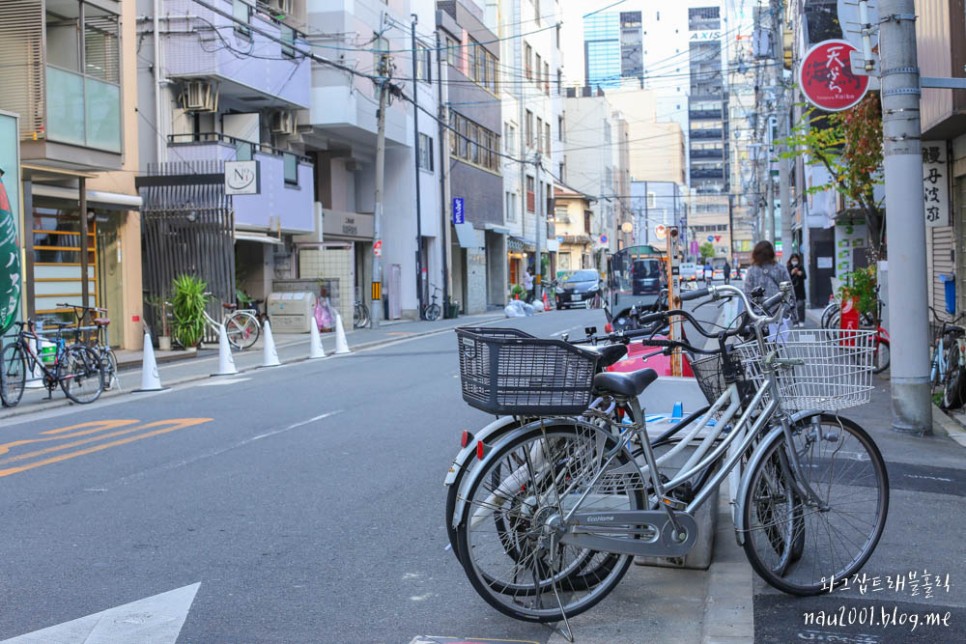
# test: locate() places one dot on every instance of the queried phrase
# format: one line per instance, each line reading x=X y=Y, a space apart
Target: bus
x=636 y=276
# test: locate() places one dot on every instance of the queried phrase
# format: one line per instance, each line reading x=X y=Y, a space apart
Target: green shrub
x=188 y=304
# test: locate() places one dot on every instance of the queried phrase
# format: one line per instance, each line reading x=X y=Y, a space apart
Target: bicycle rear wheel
x=80 y=374
x=433 y=312
x=827 y=315
x=109 y=367
x=360 y=316
x=509 y=535
x=797 y=543
x=882 y=356
x=242 y=329
x=953 y=387
x=13 y=375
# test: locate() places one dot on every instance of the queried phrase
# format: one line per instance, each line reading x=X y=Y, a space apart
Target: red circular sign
x=826 y=77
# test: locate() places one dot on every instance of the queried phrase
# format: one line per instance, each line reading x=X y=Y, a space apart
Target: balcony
x=259 y=66
x=285 y=179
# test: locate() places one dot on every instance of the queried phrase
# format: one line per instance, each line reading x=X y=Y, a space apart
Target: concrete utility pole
x=901 y=129
x=375 y=301
x=538 y=262
x=420 y=260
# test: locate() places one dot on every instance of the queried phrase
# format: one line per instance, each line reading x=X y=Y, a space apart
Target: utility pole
x=445 y=254
x=420 y=260
x=538 y=263
x=902 y=148
x=375 y=301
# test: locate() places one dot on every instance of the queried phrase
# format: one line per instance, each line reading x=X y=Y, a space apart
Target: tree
x=848 y=145
x=707 y=250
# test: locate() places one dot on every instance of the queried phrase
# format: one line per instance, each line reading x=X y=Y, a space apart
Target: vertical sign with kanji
x=11 y=275
x=935 y=183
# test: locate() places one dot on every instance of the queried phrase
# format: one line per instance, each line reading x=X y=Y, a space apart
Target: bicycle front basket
x=837 y=369
x=508 y=372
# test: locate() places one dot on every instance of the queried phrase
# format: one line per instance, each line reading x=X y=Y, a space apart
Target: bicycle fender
x=469 y=452
x=756 y=458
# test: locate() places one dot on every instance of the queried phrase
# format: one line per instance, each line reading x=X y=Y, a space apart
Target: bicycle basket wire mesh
x=708 y=372
x=506 y=371
x=837 y=369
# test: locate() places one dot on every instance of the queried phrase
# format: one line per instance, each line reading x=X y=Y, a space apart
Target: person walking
x=528 y=285
x=796 y=269
x=727 y=271
x=765 y=272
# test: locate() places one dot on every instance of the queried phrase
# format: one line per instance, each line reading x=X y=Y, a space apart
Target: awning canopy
x=261 y=238
x=519 y=245
x=113 y=200
x=466 y=235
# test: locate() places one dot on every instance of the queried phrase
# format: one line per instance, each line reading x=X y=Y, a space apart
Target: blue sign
x=458 y=216
x=710 y=238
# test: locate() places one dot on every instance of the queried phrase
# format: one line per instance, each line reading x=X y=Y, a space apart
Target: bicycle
x=74 y=367
x=360 y=315
x=556 y=509
x=882 y=350
x=93 y=321
x=432 y=311
x=947 y=369
x=241 y=325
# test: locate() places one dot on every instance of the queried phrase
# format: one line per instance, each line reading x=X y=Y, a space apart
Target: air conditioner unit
x=199 y=96
x=284 y=122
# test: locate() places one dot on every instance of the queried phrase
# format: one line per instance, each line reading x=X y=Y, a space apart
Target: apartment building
x=67 y=67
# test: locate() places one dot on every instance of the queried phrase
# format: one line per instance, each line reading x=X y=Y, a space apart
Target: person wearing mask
x=765 y=271
x=796 y=270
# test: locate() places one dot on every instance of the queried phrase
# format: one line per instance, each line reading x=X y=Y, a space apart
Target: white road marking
x=152 y=620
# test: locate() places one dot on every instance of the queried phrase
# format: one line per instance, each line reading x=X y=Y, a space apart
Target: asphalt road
x=306 y=500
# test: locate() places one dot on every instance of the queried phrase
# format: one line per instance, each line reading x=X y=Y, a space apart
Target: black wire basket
x=509 y=372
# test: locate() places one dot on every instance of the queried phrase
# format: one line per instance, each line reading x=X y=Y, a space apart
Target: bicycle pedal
x=674 y=504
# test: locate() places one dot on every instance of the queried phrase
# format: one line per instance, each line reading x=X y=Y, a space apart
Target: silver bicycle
x=550 y=519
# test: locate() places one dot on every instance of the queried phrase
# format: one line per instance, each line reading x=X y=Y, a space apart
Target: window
x=509 y=138
x=704 y=18
x=531 y=197
x=290 y=166
x=560 y=128
x=528 y=61
x=425 y=152
x=473 y=143
x=588 y=216
x=546 y=138
x=454 y=52
x=241 y=11
x=424 y=63
x=482 y=66
x=546 y=79
x=538 y=65
x=529 y=130
x=539 y=134
x=511 y=207
x=287 y=37
x=562 y=176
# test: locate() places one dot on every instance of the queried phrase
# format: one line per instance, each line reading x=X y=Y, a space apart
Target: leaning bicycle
x=552 y=516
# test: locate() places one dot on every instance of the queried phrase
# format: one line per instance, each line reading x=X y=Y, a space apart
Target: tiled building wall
x=335 y=266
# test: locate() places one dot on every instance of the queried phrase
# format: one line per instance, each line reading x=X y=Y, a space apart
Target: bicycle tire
x=881 y=356
x=109 y=367
x=80 y=375
x=503 y=556
x=830 y=310
x=955 y=378
x=13 y=375
x=433 y=312
x=840 y=462
x=360 y=316
x=242 y=329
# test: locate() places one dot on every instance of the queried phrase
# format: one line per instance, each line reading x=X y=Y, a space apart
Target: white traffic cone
x=341 y=346
x=150 y=380
x=269 y=352
x=34 y=381
x=316 y=350
x=226 y=362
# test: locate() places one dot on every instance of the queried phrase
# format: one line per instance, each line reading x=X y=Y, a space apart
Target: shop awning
x=466 y=235
x=519 y=245
x=261 y=238
x=115 y=200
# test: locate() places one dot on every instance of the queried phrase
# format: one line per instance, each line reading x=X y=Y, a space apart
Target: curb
x=943 y=424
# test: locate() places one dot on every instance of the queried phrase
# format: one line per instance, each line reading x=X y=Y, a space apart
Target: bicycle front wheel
x=242 y=329
x=807 y=531
x=109 y=367
x=955 y=382
x=13 y=375
x=882 y=356
x=509 y=537
x=360 y=316
x=433 y=312
x=80 y=374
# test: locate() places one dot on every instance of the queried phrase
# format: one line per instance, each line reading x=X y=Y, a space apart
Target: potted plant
x=188 y=306
x=516 y=291
x=859 y=288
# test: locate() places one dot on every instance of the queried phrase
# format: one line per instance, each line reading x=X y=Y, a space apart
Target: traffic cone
x=341 y=346
x=269 y=353
x=315 y=342
x=226 y=362
x=546 y=302
x=150 y=380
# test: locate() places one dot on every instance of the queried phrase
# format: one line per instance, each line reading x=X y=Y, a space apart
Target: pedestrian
x=765 y=272
x=708 y=271
x=528 y=284
x=727 y=271
x=796 y=269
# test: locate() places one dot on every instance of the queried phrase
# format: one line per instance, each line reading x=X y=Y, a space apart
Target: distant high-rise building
x=613 y=48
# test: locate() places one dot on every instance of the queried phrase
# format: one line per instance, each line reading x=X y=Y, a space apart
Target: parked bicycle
x=550 y=518
x=75 y=368
x=91 y=324
x=360 y=315
x=432 y=311
x=241 y=325
x=882 y=351
x=948 y=364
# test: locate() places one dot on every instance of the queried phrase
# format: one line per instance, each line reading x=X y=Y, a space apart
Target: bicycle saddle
x=625 y=384
x=611 y=353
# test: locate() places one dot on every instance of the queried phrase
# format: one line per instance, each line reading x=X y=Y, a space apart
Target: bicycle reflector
x=466 y=438
x=480 y=450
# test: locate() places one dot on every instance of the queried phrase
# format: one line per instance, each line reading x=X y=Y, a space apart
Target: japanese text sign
x=825 y=77
x=935 y=183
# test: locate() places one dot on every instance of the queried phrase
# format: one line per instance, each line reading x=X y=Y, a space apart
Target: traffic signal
x=673 y=231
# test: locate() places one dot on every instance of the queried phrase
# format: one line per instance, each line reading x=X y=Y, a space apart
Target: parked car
x=577 y=288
